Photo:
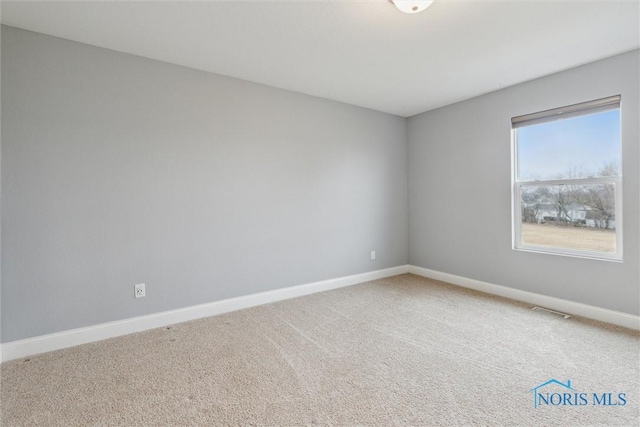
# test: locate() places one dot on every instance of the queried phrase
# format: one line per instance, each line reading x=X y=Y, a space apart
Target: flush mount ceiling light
x=412 y=6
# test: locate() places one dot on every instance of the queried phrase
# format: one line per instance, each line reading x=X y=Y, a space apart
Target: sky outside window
x=579 y=147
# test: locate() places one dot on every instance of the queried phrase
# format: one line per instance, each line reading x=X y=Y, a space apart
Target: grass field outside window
x=582 y=238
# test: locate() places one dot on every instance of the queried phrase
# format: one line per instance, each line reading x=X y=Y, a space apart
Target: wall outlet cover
x=138 y=290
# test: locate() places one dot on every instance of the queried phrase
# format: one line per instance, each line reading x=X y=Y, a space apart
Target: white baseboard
x=44 y=343
x=565 y=306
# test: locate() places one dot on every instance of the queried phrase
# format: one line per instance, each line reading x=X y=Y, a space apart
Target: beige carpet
x=397 y=351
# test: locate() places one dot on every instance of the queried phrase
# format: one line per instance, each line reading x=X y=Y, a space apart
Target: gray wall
x=0 y=192
x=118 y=169
x=460 y=195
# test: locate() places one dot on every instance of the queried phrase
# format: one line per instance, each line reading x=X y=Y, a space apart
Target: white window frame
x=576 y=110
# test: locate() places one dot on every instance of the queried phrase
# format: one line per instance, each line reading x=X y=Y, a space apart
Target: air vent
x=565 y=315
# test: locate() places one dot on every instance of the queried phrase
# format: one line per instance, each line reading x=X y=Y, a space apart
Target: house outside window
x=567 y=180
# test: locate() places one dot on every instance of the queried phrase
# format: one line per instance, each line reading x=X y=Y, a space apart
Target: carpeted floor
x=397 y=351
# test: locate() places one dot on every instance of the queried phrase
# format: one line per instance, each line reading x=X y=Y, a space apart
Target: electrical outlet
x=138 y=290
x=373 y=254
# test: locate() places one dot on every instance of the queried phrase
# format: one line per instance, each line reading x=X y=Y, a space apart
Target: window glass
x=568 y=180
x=579 y=147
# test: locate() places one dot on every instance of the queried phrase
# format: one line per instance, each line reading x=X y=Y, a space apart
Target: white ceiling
x=365 y=53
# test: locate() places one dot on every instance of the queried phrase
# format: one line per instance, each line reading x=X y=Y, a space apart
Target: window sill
x=573 y=254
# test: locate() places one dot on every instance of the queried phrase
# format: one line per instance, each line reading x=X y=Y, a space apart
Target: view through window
x=568 y=180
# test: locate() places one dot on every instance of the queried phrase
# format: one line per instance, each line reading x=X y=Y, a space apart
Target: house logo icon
x=551 y=381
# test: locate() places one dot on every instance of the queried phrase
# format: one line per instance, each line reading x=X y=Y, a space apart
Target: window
x=567 y=180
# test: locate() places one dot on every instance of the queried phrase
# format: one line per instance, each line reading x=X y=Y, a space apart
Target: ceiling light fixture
x=412 y=6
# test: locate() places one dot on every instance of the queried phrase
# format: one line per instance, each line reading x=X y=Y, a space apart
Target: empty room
x=347 y=213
